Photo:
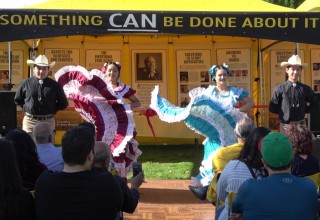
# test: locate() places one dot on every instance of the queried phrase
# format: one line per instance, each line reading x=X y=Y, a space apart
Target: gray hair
x=42 y=132
x=244 y=127
x=102 y=153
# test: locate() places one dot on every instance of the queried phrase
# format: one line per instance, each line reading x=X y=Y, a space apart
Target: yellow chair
x=315 y=178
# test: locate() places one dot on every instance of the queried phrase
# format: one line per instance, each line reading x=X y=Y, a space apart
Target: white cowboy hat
x=41 y=60
x=294 y=60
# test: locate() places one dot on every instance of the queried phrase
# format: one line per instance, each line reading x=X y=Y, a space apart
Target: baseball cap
x=276 y=150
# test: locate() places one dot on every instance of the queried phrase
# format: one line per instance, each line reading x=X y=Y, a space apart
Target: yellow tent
x=165 y=5
x=310 y=5
x=243 y=18
x=187 y=24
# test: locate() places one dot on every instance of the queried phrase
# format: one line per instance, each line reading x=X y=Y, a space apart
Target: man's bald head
x=43 y=133
x=102 y=154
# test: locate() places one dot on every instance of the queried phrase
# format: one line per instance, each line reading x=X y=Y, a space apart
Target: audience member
x=101 y=164
x=225 y=154
x=281 y=195
x=49 y=154
x=90 y=126
x=15 y=201
x=77 y=192
x=29 y=164
x=247 y=166
x=304 y=163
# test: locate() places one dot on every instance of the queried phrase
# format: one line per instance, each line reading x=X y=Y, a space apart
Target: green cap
x=276 y=150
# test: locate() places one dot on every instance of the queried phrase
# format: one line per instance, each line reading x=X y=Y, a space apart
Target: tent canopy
x=310 y=5
x=246 y=18
x=165 y=5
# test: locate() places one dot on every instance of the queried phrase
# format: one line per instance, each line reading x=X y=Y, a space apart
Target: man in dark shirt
x=279 y=196
x=77 y=192
x=292 y=99
x=40 y=96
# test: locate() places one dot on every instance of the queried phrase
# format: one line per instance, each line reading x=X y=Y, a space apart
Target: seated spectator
x=49 y=154
x=225 y=154
x=304 y=163
x=247 y=166
x=29 y=164
x=15 y=201
x=281 y=195
x=90 y=126
x=101 y=164
x=77 y=192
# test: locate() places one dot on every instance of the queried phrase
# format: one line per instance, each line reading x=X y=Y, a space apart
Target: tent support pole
x=262 y=85
x=9 y=85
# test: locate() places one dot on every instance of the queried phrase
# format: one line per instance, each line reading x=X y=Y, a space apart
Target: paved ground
x=170 y=199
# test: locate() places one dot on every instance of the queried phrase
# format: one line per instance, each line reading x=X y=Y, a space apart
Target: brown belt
x=39 y=117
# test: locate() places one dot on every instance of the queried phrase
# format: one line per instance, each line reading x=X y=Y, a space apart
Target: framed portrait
x=149 y=65
x=148 y=70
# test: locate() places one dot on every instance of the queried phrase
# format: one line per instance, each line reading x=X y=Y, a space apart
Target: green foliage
x=286 y=3
x=170 y=161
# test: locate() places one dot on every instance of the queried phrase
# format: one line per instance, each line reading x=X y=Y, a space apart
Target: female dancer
x=131 y=152
x=99 y=98
x=211 y=113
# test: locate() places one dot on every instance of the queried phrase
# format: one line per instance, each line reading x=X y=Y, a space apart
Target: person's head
x=243 y=128
x=150 y=63
x=43 y=133
x=276 y=151
x=219 y=74
x=102 y=155
x=89 y=125
x=301 y=138
x=40 y=66
x=293 y=68
x=250 y=153
x=112 y=71
x=78 y=147
x=25 y=148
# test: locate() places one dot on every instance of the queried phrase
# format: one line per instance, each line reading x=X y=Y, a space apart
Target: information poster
x=96 y=58
x=62 y=57
x=17 y=67
x=315 y=69
x=148 y=70
x=238 y=61
x=192 y=70
x=278 y=73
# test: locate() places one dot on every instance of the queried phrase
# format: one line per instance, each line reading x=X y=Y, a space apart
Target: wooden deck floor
x=170 y=200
